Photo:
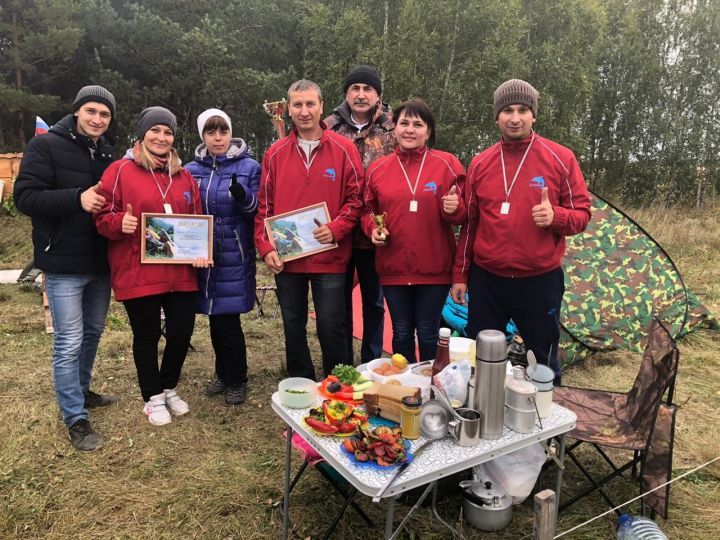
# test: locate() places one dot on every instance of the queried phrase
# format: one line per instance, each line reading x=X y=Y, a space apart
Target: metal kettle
x=485 y=507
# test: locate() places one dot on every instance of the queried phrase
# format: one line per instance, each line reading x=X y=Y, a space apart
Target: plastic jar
x=410 y=417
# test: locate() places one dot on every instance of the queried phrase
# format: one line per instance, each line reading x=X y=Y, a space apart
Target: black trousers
x=533 y=303
x=144 y=315
x=228 y=341
x=329 y=300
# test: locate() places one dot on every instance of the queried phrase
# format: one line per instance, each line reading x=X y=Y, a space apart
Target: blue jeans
x=79 y=305
x=415 y=308
x=327 y=292
x=373 y=308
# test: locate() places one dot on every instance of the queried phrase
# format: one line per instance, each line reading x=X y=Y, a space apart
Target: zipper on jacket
x=207 y=189
x=242 y=252
x=92 y=153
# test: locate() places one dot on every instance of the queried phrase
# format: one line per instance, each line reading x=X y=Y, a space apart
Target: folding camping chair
x=638 y=421
x=338 y=483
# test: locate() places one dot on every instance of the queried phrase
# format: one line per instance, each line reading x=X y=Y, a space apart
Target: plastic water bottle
x=638 y=528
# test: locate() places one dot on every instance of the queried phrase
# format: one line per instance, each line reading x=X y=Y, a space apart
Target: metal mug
x=466 y=430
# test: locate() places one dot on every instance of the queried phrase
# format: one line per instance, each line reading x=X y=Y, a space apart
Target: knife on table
x=399 y=471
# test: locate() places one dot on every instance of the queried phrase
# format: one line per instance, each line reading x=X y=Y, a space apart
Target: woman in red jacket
x=150 y=178
x=420 y=190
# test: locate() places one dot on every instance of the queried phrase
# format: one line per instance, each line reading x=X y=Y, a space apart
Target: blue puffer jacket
x=228 y=287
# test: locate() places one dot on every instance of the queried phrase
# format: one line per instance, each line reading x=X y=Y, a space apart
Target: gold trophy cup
x=379 y=220
x=276 y=110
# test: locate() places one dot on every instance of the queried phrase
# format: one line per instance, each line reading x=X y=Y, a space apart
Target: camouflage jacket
x=374 y=141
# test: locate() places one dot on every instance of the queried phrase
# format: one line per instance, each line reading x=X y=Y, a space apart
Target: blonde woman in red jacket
x=420 y=190
x=150 y=178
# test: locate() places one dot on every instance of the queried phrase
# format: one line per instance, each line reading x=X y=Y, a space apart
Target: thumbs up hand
x=90 y=200
x=543 y=213
x=237 y=191
x=129 y=222
x=451 y=200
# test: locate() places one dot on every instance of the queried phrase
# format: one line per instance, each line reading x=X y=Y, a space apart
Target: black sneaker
x=84 y=437
x=93 y=399
x=215 y=388
x=236 y=394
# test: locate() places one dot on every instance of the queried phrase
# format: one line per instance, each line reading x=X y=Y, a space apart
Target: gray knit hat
x=515 y=92
x=95 y=93
x=153 y=116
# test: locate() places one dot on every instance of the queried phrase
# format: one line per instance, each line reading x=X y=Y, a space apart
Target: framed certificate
x=292 y=232
x=175 y=238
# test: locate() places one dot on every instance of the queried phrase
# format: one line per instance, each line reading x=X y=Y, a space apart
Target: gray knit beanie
x=363 y=75
x=515 y=92
x=154 y=116
x=94 y=93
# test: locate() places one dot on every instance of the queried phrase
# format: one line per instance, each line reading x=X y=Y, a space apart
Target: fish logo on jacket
x=430 y=186
x=330 y=174
x=537 y=182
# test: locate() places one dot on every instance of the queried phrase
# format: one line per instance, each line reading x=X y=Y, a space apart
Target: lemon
x=399 y=361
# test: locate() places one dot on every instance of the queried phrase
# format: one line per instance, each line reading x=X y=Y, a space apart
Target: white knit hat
x=204 y=116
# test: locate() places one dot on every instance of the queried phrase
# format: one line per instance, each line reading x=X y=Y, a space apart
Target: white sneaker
x=156 y=410
x=176 y=405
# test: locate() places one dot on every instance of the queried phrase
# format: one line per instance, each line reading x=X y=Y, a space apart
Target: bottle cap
x=445 y=333
x=411 y=401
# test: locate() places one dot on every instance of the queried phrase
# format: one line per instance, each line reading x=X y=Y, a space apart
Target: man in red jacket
x=311 y=165
x=524 y=194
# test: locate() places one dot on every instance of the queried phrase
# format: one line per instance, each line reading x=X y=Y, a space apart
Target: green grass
x=218 y=472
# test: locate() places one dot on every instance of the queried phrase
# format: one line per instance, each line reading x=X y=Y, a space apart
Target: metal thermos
x=490 y=366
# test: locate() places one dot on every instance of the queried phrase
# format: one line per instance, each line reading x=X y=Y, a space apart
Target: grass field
x=217 y=473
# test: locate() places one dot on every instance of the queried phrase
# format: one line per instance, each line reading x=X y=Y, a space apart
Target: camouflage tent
x=616 y=279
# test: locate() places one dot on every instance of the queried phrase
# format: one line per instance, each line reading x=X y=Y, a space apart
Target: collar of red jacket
x=410 y=155
x=519 y=144
x=294 y=135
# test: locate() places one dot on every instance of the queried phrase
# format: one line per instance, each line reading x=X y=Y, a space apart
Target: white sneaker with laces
x=175 y=403
x=156 y=410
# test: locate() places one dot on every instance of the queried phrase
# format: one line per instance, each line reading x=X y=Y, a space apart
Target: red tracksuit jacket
x=125 y=182
x=421 y=245
x=335 y=176
x=512 y=245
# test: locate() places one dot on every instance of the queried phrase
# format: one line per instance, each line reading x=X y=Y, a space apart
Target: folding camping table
x=440 y=459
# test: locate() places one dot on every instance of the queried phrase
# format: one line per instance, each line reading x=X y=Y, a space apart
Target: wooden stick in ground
x=544 y=524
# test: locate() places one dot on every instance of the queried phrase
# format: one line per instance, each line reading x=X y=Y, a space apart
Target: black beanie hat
x=94 y=93
x=363 y=75
x=153 y=116
x=515 y=92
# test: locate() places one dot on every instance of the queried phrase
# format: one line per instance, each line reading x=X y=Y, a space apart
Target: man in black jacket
x=57 y=187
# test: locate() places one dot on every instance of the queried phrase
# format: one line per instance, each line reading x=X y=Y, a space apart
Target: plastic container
x=638 y=528
x=383 y=379
x=462 y=348
x=542 y=378
x=297 y=392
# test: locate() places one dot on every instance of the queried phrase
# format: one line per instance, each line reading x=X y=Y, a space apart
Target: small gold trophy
x=379 y=220
x=276 y=110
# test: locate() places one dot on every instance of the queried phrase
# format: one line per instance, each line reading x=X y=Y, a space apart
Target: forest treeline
x=631 y=86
